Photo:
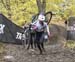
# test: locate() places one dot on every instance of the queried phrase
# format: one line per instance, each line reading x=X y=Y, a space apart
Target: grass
x=70 y=44
x=1 y=48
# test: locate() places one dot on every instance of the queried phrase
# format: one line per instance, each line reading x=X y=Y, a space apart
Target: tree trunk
x=41 y=6
x=44 y=6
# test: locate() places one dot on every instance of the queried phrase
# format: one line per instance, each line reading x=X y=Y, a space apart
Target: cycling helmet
x=41 y=17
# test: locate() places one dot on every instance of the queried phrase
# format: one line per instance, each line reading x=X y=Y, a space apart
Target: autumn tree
x=20 y=11
x=6 y=4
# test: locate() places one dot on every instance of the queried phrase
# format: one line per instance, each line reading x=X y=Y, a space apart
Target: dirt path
x=54 y=53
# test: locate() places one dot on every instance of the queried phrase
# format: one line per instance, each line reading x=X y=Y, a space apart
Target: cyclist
x=40 y=26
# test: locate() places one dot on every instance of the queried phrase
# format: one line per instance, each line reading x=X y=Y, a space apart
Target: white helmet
x=41 y=17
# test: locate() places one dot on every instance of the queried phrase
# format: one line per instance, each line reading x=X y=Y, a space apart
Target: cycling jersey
x=39 y=27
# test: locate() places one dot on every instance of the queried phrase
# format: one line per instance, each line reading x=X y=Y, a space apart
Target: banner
x=10 y=32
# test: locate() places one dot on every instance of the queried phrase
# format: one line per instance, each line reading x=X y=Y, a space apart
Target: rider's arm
x=34 y=23
x=47 y=27
x=48 y=31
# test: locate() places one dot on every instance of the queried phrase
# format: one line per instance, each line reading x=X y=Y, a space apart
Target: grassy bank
x=1 y=48
x=70 y=44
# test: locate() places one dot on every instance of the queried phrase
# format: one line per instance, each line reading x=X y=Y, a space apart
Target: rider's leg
x=35 y=45
x=39 y=47
x=42 y=46
x=38 y=36
x=28 y=46
x=42 y=42
x=30 y=42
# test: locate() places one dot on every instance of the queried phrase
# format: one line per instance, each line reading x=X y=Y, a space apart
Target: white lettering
x=2 y=28
x=19 y=35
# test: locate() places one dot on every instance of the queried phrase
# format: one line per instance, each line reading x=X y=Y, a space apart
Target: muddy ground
x=54 y=53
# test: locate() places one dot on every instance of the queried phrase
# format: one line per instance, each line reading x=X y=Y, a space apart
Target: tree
x=6 y=4
x=41 y=5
